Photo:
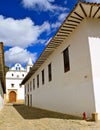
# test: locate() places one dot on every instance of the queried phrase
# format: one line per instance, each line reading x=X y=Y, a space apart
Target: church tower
x=29 y=65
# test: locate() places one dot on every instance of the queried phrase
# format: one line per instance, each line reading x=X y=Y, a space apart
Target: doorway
x=12 y=96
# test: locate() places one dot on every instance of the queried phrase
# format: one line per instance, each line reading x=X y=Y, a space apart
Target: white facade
x=77 y=90
x=14 y=89
x=94 y=43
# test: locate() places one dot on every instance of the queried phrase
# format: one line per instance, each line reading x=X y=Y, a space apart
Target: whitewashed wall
x=20 y=89
x=16 y=80
x=94 y=42
x=1 y=97
x=70 y=92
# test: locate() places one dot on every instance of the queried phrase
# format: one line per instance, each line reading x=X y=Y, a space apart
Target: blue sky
x=26 y=26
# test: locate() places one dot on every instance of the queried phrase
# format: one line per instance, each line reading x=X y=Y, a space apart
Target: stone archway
x=12 y=96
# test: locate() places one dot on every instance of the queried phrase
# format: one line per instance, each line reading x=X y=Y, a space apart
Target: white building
x=14 y=77
x=66 y=77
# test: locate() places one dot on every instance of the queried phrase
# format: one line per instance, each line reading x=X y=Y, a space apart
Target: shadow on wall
x=37 y=113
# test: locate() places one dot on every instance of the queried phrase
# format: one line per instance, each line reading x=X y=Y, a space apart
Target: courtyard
x=21 y=117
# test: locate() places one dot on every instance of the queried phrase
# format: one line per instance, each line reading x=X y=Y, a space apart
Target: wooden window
x=33 y=84
x=25 y=90
x=66 y=59
x=30 y=100
x=22 y=75
x=42 y=76
x=30 y=86
x=37 y=81
x=49 y=72
x=20 y=85
x=12 y=85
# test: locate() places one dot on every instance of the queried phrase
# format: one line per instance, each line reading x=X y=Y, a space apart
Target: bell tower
x=29 y=65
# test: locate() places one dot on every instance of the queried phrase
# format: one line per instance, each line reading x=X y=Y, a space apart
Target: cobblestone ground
x=20 y=117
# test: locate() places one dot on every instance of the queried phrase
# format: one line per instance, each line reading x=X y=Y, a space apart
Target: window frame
x=66 y=60
x=38 y=81
x=49 y=72
x=12 y=85
x=43 y=77
x=25 y=90
x=30 y=86
x=34 y=84
x=22 y=75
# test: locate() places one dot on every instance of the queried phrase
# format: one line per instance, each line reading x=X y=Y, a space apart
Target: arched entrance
x=12 y=96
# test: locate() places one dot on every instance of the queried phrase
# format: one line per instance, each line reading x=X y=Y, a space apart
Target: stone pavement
x=20 y=117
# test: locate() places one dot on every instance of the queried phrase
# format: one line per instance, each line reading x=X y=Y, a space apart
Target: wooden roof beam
x=49 y=48
x=71 y=24
x=56 y=40
x=64 y=26
x=90 y=11
x=67 y=30
x=48 y=51
x=83 y=10
x=46 y=54
x=96 y=12
x=55 y=45
x=80 y=19
x=73 y=21
x=62 y=35
x=78 y=15
x=43 y=57
x=63 y=32
x=39 y=61
x=60 y=38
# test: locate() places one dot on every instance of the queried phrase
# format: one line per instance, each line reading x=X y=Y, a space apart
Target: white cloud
x=44 y=27
x=41 y=41
x=62 y=16
x=56 y=24
x=22 y=32
x=43 y=5
x=18 y=55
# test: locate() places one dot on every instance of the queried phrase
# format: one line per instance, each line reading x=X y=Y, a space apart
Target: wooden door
x=12 y=96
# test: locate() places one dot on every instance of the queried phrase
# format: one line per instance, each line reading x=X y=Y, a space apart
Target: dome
x=17 y=66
